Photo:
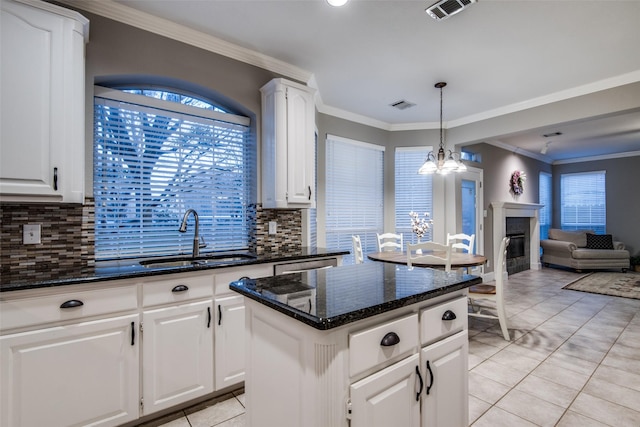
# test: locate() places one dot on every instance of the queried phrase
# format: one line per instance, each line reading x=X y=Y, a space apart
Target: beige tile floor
x=574 y=360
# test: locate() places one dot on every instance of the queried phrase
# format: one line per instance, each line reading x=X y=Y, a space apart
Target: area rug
x=625 y=285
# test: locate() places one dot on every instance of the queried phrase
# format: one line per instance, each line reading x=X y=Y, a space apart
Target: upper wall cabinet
x=42 y=104
x=288 y=145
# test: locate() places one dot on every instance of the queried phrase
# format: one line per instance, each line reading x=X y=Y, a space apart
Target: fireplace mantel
x=503 y=210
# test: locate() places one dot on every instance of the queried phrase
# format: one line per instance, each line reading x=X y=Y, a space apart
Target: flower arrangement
x=516 y=183
x=419 y=225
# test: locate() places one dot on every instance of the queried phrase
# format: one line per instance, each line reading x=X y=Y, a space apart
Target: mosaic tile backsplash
x=67 y=236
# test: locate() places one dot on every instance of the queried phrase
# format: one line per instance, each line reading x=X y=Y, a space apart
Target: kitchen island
x=372 y=344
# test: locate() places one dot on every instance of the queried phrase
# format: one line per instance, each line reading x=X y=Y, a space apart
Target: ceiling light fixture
x=545 y=148
x=444 y=163
x=337 y=3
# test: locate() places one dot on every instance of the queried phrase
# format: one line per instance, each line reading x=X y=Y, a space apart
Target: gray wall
x=623 y=202
x=498 y=165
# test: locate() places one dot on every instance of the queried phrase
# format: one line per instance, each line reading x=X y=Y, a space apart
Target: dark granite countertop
x=325 y=299
x=125 y=269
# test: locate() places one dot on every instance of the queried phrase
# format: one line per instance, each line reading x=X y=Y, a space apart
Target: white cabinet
x=177 y=354
x=229 y=336
x=446 y=396
x=372 y=372
x=77 y=374
x=42 y=104
x=388 y=398
x=288 y=145
x=177 y=340
x=229 y=341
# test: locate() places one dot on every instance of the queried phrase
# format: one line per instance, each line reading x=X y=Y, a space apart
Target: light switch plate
x=273 y=227
x=31 y=234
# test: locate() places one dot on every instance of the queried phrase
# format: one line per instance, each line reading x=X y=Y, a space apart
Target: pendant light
x=444 y=162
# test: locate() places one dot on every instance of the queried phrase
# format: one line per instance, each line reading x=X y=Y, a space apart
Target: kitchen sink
x=186 y=261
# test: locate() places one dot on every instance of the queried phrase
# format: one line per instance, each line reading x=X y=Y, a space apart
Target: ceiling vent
x=549 y=135
x=402 y=105
x=446 y=8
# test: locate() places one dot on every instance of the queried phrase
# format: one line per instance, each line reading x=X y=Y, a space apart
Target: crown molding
x=352 y=117
x=166 y=28
x=517 y=150
x=610 y=83
x=121 y=13
x=596 y=158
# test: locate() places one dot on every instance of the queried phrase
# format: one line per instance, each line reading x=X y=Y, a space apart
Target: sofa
x=583 y=250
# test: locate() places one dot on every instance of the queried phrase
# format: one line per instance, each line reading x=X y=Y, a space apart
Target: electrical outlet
x=488 y=263
x=31 y=234
x=273 y=228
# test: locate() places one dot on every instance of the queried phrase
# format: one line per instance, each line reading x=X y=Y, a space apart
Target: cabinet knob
x=390 y=339
x=71 y=303
x=448 y=315
x=180 y=288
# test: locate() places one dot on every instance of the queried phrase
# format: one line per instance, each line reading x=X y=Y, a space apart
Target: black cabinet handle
x=310 y=306
x=309 y=192
x=421 y=384
x=133 y=333
x=448 y=315
x=390 y=339
x=219 y=314
x=71 y=303
x=180 y=288
x=431 y=378
x=208 y=316
x=55 y=179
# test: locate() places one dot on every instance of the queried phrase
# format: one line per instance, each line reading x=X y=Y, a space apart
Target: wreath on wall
x=516 y=183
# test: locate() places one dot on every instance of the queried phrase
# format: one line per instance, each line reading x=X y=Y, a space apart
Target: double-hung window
x=156 y=155
x=583 y=201
x=354 y=193
x=414 y=192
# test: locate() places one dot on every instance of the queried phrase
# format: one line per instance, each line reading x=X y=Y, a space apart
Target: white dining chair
x=358 y=256
x=462 y=241
x=479 y=295
x=429 y=253
x=390 y=242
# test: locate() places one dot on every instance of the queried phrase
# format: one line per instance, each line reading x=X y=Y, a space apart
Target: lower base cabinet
x=78 y=374
x=389 y=397
x=444 y=364
x=177 y=355
x=229 y=341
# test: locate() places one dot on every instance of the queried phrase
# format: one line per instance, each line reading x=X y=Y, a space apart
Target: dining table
x=458 y=259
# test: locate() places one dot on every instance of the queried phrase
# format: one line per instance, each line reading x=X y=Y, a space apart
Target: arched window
x=158 y=153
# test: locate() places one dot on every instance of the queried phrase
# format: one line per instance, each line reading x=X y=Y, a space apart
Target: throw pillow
x=599 y=241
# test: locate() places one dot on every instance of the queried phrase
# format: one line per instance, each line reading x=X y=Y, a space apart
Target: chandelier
x=442 y=163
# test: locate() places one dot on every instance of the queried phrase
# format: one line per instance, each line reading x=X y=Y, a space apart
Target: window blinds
x=583 y=201
x=151 y=165
x=545 y=199
x=414 y=192
x=354 y=193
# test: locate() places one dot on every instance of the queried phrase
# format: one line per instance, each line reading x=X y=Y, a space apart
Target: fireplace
x=520 y=222
x=516 y=246
x=517 y=229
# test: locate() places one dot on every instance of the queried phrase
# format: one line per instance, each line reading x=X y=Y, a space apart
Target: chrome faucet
x=196 y=237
